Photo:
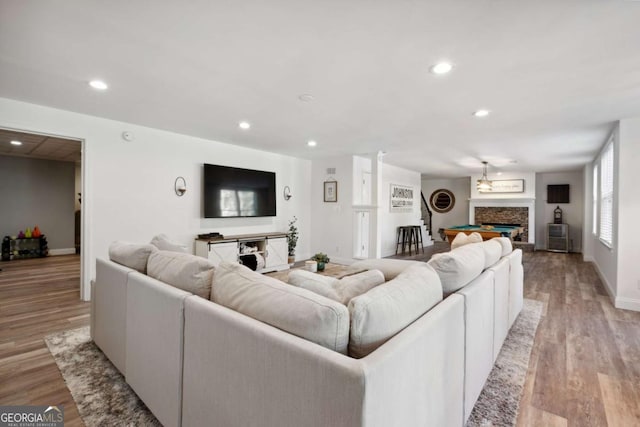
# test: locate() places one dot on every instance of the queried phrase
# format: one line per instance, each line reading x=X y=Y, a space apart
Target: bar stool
x=403 y=237
x=417 y=232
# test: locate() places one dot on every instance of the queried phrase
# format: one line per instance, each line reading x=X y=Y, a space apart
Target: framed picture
x=400 y=198
x=506 y=186
x=331 y=191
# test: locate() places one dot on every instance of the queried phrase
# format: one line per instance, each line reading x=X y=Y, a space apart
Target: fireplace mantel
x=501 y=202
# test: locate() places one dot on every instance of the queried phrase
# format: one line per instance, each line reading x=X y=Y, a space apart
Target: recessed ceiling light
x=481 y=113
x=306 y=97
x=244 y=125
x=312 y=143
x=441 y=68
x=98 y=84
x=16 y=143
x=499 y=173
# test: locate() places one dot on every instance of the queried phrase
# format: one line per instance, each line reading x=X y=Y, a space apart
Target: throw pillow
x=162 y=242
x=321 y=285
x=462 y=239
x=387 y=309
x=297 y=311
x=184 y=271
x=458 y=267
x=492 y=252
x=350 y=287
x=507 y=246
x=131 y=255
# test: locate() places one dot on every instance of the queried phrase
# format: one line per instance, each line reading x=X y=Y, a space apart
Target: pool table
x=486 y=231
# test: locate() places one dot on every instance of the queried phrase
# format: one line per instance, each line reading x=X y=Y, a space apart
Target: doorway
x=41 y=180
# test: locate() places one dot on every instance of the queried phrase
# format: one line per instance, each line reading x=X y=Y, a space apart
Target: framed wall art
x=331 y=191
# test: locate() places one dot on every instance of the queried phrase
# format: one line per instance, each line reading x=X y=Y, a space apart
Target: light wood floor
x=37 y=297
x=584 y=369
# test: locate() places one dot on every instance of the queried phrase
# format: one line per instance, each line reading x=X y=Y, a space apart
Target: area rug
x=500 y=398
x=104 y=398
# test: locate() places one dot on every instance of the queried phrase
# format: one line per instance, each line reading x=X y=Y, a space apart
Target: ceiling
x=39 y=146
x=556 y=75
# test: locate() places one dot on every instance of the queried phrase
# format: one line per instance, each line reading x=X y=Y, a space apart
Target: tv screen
x=234 y=192
x=558 y=193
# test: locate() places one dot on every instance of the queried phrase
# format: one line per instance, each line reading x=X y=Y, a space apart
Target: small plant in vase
x=321 y=259
x=292 y=240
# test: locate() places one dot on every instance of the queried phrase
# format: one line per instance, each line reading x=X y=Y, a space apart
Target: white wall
x=572 y=213
x=604 y=258
x=628 y=284
x=390 y=221
x=128 y=186
x=332 y=223
x=459 y=215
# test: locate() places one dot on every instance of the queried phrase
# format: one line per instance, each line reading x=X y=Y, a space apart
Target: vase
x=291 y=260
x=320 y=266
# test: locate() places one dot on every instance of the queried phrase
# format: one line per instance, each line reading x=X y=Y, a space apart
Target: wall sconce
x=180 y=186
x=287 y=193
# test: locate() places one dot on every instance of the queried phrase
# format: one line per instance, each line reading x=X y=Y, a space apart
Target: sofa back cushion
x=352 y=286
x=162 y=242
x=492 y=252
x=131 y=255
x=385 y=310
x=184 y=271
x=389 y=267
x=297 y=311
x=505 y=242
x=342 y=290
x=462 y=239
x=458 y=267
x=317 y=283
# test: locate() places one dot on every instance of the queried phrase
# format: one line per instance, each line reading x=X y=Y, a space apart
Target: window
x=606 y=195
x=594 y=229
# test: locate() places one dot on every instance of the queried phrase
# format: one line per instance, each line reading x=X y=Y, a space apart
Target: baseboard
x=63 y=251
x=607 y=285
x=588 y=258
x=627 y=303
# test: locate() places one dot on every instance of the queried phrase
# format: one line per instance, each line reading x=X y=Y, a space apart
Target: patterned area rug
x=104 y=398
x=500 y=398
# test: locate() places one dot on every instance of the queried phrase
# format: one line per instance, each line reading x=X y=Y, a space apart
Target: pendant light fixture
x=483 y=184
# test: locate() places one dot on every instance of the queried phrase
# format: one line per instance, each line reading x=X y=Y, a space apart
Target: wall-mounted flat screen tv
x=558 y=193
x=234 y=192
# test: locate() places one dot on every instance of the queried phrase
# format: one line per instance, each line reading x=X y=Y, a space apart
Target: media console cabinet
x=272 y=246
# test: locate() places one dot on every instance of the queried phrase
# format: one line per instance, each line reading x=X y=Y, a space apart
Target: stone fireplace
x=504 y=215
x=502 y=210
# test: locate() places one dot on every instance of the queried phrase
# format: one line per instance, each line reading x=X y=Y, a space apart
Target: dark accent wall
x=38 y=192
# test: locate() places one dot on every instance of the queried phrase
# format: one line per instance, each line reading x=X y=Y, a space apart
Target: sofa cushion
x=492 y=252
x=385 y=310
x=162 y=242
x=184 y=271
x=458 y=267
x=131 y=255
x=505 y=242
x=297 y=311
x=350 y=287
x=321 y=285
x=462 y=239
x=338 y=290
x=389 y=267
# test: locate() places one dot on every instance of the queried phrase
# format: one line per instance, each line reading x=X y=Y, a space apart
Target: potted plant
x=321 y=259
x=292 y=239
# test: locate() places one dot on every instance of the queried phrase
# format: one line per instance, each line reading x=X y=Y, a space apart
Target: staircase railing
x=429 y=213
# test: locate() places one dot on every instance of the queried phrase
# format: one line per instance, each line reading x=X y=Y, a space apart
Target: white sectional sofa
x=197 y=362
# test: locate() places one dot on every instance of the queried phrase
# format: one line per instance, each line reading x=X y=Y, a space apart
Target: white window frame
x=606 y=195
